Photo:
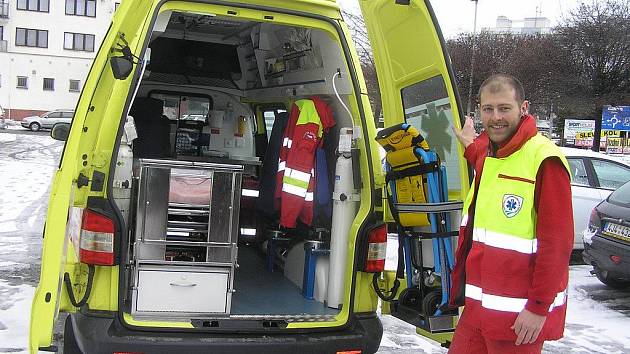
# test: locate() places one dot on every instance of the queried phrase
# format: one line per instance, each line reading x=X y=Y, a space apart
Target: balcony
x=4 y=9
x=3 y=46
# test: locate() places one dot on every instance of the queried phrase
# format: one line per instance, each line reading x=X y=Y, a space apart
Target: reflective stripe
x=506 y=303
x=249 y=193
x=505 y=241
x=248 y=232
x=560 y=299
x=287 y=142
x=300 y=192
x=299 y=175
x=308 y=197
x=294 y=182
x=464 y=221
x=281 y=165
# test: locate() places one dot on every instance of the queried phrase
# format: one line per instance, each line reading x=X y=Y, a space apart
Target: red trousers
x=469 y=340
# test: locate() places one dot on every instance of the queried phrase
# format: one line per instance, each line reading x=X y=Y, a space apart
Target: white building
x=46 y=50
x=529 y=25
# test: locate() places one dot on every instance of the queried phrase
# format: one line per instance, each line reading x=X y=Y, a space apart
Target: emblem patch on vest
x=512 y=204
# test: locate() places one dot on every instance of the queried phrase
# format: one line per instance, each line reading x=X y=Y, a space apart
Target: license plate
x=619 y=231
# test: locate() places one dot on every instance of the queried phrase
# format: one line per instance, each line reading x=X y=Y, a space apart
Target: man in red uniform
x=513 y=287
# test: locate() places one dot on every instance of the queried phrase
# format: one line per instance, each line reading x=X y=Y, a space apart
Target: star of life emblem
x=512 y=204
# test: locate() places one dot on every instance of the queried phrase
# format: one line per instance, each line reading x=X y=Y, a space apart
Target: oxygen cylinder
x=344 y=211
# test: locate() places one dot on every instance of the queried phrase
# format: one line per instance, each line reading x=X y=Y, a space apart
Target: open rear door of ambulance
x=97 y=111
x=417 y=86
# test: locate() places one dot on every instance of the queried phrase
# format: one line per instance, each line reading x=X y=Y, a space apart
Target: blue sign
x=616 y=118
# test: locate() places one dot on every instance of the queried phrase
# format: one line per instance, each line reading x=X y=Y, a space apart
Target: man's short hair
x=496 y=83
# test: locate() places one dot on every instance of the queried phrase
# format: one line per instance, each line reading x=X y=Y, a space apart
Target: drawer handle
x=184 y=285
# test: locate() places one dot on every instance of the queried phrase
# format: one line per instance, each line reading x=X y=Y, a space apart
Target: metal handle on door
x=187 y=285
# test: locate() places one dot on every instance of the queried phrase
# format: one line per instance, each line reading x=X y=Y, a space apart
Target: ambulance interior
x=212 y=93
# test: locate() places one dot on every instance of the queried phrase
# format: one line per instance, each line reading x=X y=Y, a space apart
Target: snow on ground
x=14 y=317
x=26 y=167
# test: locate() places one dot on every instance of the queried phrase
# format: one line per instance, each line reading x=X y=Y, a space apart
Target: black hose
x=88 y=290
x=392 y=292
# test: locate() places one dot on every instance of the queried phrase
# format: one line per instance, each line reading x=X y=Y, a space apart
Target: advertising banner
x=575 y=126
x=581 y=133
x=614 y=146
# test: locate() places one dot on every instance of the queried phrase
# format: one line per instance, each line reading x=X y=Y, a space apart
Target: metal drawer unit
x=185 y=240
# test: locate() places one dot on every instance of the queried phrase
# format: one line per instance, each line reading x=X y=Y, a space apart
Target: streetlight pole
x=472 y=62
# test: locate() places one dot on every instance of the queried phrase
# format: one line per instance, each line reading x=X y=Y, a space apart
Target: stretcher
x=417 y=196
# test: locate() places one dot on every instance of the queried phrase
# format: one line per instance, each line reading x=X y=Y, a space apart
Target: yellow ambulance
x=158 y=238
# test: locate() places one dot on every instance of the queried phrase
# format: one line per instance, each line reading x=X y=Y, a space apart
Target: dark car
x=607 y=239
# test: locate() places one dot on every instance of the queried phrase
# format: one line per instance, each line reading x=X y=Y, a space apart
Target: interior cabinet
x=185 y=239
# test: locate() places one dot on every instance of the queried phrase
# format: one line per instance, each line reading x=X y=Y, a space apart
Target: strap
x=419 y=169
x=444 y=207
x=400 y=269
x=430 y=235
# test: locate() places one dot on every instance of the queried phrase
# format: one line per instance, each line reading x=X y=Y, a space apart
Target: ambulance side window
x=428 y=108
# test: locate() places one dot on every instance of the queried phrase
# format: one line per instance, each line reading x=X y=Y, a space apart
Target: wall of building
x=54 y=62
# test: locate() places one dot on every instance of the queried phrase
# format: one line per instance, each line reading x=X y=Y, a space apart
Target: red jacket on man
x=552 y=201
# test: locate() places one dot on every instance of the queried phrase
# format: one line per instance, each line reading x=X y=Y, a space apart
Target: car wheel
x=604 y=277
x=34 y=126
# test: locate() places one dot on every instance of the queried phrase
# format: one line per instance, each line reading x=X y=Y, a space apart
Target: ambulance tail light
x=376 y=250
x=97 y=239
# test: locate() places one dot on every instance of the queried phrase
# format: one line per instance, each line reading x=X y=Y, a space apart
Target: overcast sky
x=457 y=16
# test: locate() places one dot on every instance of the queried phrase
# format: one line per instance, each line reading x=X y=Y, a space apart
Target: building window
x=78 y=41
x=81 y=7
x=26 y=37
x=49 y=84
x=1 y=33
x=75 y=85
x=33 y=5
x=22 y=82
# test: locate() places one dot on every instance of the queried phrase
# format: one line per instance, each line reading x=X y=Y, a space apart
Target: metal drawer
x=185 y=291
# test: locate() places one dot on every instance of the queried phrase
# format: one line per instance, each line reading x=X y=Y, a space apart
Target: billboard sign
x=572 y=127
x=616 y=118
x=614 y=146
x=581 y=132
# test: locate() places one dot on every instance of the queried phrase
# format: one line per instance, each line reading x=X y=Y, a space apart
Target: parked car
x=593 y=177
x=48 y=119
x=607 y=239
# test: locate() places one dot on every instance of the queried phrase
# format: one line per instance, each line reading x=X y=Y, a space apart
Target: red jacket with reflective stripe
x=300 y=142
x=546 y=271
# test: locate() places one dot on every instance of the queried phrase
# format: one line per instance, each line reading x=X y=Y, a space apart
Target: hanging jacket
x=269 y=168
x=512 y=255
x=295 y=182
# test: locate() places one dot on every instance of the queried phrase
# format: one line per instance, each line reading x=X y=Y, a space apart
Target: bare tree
x=360 y=38
x=597 y=37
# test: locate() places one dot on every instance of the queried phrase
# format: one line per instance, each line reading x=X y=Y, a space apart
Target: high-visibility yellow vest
x=505 y=205
x=505 y=218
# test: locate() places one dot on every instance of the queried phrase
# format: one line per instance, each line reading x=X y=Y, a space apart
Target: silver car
x=593 y=177
x=48 y=120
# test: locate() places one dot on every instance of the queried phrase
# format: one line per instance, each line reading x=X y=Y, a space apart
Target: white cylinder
x=344 y=211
